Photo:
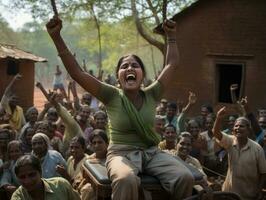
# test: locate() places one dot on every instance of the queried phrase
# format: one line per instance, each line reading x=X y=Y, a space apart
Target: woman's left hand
x=169 y=28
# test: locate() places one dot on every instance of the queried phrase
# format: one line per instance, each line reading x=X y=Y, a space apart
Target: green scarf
x=144 y=130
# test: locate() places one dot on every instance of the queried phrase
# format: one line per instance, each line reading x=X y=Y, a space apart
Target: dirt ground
x=39 y=99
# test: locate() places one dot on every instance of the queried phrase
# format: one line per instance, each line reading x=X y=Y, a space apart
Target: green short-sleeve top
x=121 y=130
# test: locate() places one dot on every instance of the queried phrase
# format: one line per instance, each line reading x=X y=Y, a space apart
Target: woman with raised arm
x=131 y=111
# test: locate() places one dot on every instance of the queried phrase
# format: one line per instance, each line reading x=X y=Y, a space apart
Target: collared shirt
x=17 y=119
x=245 y=166
x=55 y=189
x=49 y=163
x=75 y=173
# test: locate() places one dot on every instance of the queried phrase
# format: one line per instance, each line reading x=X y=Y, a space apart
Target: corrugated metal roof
x=7 y=50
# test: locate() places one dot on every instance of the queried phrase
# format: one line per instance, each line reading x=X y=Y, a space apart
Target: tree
x=95 y=19
x=146 y=13
x=151 y=14
x=7 y=35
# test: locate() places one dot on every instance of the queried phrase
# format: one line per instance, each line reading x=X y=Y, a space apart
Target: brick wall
x=24 y=87
x=210 y=32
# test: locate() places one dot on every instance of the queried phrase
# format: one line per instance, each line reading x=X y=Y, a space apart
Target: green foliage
x=118 y=38
x=6 y=33
x=117 y=29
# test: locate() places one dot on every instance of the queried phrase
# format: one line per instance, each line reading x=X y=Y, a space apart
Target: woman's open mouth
x=131 y=78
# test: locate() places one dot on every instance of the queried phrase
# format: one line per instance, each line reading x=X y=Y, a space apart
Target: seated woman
x=199 y=144
x=8 y=181
x=131 y=111
x=99 y=142
x=50 y=159
x=77 y=149
x=184 y=147
x=25 y=139
x=29 y=173
x=99 y=122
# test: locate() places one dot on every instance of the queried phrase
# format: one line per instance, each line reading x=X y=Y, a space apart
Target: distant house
x=13 y=61
x=221 y=42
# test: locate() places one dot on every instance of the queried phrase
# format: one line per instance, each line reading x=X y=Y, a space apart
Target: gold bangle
x=171 y=40
x=64 y=52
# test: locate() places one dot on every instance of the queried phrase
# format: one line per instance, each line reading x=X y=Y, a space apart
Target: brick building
x=221 y=42
x=13 y=61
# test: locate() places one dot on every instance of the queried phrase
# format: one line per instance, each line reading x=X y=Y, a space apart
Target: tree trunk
x=98 y=27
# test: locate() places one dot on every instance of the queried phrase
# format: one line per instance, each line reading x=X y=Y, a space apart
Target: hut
x=13 y=61
x=221 y=42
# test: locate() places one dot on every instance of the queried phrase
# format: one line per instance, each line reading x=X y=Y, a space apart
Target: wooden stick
x=40 y=86
x=54 y=7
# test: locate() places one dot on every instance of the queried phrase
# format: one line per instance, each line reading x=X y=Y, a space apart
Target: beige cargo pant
x=125 y=162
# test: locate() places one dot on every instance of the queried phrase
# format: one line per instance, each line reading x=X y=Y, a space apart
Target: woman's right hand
x=54 y=26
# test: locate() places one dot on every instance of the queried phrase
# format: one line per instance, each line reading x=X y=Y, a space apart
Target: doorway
x=229 y=74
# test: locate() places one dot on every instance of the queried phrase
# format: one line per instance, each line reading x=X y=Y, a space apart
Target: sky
x=15 y=19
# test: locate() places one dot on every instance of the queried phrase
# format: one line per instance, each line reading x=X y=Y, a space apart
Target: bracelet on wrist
x=171 y=40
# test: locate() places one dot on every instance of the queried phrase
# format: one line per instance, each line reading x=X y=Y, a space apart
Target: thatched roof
x=10 y=51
